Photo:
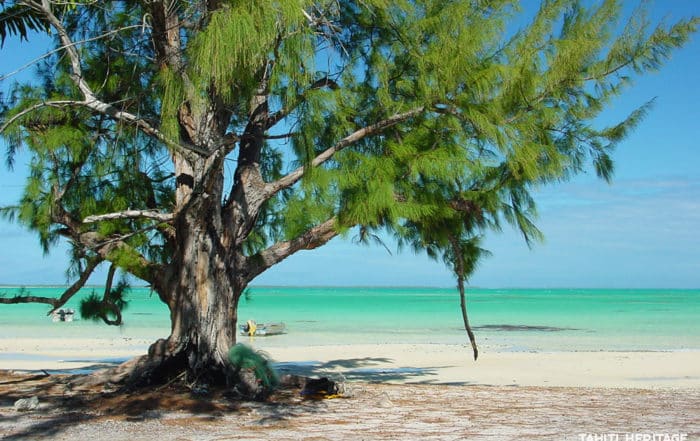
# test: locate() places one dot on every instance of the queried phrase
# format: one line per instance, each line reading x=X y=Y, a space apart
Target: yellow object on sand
x=251 y=327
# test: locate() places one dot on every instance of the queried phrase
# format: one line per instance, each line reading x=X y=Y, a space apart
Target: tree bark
x=461 y=272
x=465 y=318
x=201 y=280
x=203 y=314
x=203 y=311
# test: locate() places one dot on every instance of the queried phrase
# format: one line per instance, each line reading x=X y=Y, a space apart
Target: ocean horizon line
x=381 y=286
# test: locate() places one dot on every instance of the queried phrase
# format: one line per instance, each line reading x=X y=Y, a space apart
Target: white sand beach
x=393 y=391
x=398 y=363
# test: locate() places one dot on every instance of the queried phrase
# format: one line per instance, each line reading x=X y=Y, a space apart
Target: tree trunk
x=202 y=289
x=204 y=311
x=203 y=314
x=465 y=318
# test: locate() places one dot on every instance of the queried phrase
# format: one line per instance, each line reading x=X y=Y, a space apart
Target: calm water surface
x=505 y=320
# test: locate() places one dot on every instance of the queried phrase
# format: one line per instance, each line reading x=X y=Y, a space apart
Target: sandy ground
x=398 y=391
x=451 y=364
x=399 y=363
x=369 y=411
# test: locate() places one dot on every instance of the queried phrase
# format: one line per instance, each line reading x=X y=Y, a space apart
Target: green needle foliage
x=18 y=20
x=108 y=307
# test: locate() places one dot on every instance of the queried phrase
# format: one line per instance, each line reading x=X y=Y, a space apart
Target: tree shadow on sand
x=56 y=410
x=367 y=369
x=63 y=408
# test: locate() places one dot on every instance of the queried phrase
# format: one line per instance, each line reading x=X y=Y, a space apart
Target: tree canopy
x=186 y=141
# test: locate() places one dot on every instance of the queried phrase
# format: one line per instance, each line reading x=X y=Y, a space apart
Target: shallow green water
x=505 y=320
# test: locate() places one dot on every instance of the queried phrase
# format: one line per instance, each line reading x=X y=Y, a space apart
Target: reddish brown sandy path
x=372 y=412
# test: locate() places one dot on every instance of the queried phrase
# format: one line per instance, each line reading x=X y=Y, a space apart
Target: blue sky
x=643 y=231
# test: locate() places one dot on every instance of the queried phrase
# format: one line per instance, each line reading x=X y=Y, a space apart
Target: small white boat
x=63 y=315
x=251 y=329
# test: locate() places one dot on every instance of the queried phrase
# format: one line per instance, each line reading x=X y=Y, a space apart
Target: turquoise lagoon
x=504 y=319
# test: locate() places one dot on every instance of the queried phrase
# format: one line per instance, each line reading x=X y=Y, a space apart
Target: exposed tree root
x=167 y=365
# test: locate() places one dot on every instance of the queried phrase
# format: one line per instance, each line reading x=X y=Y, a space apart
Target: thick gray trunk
x=202 y=281
x=204 y=318
x=203 y=307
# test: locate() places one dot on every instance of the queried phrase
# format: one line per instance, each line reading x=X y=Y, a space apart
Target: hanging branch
x=98 y=308
x=107 y=303
x=461 y=274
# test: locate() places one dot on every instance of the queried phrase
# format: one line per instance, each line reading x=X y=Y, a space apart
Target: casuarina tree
x=195 y=144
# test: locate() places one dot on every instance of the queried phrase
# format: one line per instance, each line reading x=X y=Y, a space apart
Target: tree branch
x=67 y=294
x=309 y=240
x=91 y=101
x=109 y=304
x=283 y=113
x=60 y=103
x=131 y=214
x=248 y=187
x=27 y=299
x=110 y=248
x=75 y=287
x=282 y=136
x=105 y=246
x=290 y=179
x=53 y=51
